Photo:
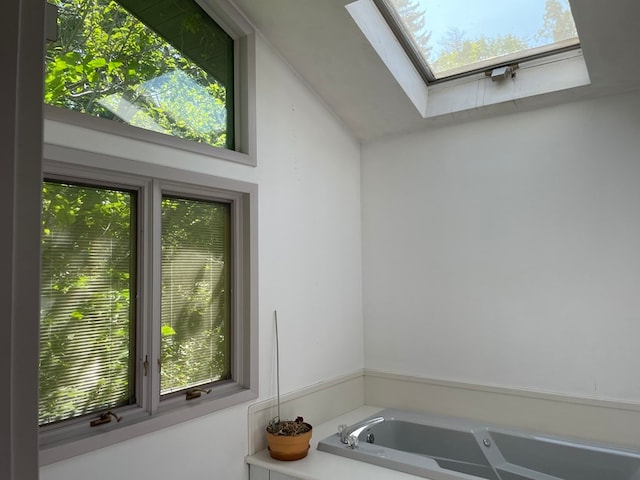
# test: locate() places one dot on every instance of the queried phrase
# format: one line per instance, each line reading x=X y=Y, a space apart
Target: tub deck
x=319 y=465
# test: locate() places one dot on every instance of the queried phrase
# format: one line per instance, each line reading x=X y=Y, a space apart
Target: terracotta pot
x=286 y=447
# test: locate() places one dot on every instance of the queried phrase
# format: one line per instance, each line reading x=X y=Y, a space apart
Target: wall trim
x=587 y=419
x=583 y=418
x=518 y=392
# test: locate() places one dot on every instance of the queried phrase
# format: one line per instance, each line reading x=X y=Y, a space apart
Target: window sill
x=127 y=131
x=555 y=73
x=55 y=446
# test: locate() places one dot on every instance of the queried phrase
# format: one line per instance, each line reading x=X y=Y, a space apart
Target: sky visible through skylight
x=452 y=34
x=491 y=18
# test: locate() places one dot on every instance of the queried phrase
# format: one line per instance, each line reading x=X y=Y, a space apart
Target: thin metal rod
x=275 y=314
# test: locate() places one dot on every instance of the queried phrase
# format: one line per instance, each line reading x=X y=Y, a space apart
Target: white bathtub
x=444 y=448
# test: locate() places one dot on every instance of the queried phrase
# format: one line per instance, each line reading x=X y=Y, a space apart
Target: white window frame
x=553 y=73
x=75 y=436
x=235 y=24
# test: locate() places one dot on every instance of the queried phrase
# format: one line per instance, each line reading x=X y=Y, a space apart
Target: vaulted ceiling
x=322 y=43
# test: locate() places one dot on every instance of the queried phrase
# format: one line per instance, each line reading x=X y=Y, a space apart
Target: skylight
x=450 y=38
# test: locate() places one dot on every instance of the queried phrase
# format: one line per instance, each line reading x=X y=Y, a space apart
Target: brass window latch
x=105 y=418
x=196 y=392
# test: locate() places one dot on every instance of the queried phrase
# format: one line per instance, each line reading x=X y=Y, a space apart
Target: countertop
x=326 y=466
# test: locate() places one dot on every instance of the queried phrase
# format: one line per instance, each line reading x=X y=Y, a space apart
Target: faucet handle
x=342 y=427
x=352 y=441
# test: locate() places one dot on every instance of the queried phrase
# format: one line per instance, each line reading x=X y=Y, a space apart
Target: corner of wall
x=317 y=404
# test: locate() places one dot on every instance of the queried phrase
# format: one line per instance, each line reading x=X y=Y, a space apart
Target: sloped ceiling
x=321 y=42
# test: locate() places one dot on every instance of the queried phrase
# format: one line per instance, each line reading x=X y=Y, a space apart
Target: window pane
x=87 y=282
x=162 y=65
x=457 y=36
x=195 y=293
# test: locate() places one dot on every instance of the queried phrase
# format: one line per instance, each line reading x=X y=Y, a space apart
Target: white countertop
x=327 y=466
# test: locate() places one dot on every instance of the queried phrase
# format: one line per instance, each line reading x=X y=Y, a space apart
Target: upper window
x=168 y=69
x=448 y=38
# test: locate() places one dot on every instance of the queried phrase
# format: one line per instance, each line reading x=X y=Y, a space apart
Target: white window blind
x=87 y=282
x=196 y=317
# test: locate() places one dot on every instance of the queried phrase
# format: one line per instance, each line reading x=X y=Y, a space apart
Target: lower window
x=146 y=303
x=87 y=320
x=196 y=303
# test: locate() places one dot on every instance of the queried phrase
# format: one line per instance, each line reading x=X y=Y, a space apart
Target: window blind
x=87 y=283
x=196 y=341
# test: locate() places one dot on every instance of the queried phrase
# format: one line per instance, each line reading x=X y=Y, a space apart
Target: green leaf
x=167 y=331
x=97 y=63
x=59 y=64
x=114 y=66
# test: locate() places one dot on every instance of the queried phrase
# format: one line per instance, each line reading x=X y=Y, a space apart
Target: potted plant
x=287 y=439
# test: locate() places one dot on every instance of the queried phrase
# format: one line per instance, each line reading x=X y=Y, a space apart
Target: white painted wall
x=309 y=269
x=506 y=251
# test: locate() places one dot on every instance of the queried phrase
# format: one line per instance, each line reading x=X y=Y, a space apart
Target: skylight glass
x=458 y=37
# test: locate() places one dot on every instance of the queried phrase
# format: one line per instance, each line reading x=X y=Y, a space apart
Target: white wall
x=309 y=269
x=506 y=251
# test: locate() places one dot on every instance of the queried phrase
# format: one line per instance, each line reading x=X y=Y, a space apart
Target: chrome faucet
x=349 y=435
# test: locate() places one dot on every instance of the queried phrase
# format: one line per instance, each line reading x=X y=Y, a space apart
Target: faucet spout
x=357 y=428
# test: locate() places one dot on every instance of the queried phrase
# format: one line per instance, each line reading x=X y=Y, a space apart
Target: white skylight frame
x=538 y=73
x=532 y=47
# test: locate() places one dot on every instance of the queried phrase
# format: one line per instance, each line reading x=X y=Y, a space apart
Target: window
x=461 y=55
x=87 y=324
x=147 y=301
x=457 y=37
x=195 y=293
x=166 y=68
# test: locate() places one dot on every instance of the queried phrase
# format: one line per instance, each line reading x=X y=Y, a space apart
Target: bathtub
x=442 y=448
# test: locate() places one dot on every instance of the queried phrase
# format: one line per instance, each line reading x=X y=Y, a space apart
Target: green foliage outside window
x=108 y=63
x=195 y=293
x=87 y=280
x=456 y=50
x=88 y=286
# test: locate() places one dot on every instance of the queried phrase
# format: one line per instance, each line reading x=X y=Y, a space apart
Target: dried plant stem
x=289 y=428
x=275 y=314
